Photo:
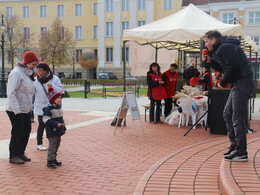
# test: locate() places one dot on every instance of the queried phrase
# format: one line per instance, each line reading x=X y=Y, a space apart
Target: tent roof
x=184 y=29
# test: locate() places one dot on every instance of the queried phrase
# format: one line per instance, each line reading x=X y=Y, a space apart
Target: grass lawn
x=98 y=93
x=258 y=95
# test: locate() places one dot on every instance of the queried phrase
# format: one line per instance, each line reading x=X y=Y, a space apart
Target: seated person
x=196 y=79
x=207 y=79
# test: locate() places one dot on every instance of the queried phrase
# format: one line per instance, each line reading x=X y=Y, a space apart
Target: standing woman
x=44 y=80
x=156 y=91
x=19 y=105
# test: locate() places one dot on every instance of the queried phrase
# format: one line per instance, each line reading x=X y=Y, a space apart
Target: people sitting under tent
x=195 y=80
x=207 y=79
x=189 y=73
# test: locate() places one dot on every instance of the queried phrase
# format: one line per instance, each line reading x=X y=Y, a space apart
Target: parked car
x=107 y=75
x=131 y=78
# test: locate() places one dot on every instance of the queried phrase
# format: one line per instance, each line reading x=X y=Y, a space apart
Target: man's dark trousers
x=235 y=113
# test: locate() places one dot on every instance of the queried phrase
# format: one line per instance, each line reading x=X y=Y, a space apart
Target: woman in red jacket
x=170 y=78
x=156 y=91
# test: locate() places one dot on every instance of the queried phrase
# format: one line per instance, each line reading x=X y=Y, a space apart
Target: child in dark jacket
x=55 y=127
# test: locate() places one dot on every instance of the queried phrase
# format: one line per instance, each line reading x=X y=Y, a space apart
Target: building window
x=228 y=18
x=25 y=11
x=167 y=4
x=109 y=5
x=10 y=33
x=78 y=9
x=61 y=33
x=256 y=40
x=43 y=33
x=141 y=4
x=109 y=54
x=43 y=12
x=141 y=23
x=127 y=54
x=125 y=26
x=95 y=31
x=78 y=54
x=9 y=12
x=254 y=17
x=78 y=33
x=95 y=9
x=125 y=5
x=109 y=29
x=9 y=56
x=60 y=11
x=26 y=33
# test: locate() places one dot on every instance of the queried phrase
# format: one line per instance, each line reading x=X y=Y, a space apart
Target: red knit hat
x=53 y=95
x=29 y=57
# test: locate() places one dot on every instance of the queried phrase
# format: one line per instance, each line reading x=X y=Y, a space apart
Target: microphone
x=205 y=52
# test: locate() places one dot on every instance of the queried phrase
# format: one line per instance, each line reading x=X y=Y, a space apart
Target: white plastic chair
x=187 y=112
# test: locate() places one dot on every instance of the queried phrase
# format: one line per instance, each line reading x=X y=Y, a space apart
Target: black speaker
x=218 y=99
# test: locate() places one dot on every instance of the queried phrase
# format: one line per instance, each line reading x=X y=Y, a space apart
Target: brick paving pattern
x=97 y=162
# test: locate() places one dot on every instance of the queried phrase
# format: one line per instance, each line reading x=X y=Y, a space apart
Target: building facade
x=97 y=25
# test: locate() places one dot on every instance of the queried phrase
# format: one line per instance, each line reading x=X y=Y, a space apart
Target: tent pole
x=124 y=63
x=156 y=53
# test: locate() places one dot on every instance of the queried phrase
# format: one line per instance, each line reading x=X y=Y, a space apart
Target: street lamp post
x=2 y=80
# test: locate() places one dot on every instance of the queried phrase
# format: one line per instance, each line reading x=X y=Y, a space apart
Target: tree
x=88 y=60
x=17 y=42
x=57 y=45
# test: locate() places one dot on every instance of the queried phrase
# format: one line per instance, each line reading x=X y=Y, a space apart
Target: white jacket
x=19 y=90
x=41 y=99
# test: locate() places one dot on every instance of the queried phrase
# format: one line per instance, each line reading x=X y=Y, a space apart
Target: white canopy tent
x=184 y=29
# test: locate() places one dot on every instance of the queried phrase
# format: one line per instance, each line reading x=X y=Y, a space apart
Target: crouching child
x=55 y=127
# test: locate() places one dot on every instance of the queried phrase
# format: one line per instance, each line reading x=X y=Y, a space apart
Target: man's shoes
x=58 y=163
x=234 y=157
x=25 y=158
x=16 y=160
x=51 y=164
x=231 y=149
x=41 y=147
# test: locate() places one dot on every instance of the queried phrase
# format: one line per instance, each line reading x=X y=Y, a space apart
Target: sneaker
x=51 y=164
x=41 y=147
x=16 y=160
x=234 y=157
x=25 y=158
x=231 y=149
x=58 y=163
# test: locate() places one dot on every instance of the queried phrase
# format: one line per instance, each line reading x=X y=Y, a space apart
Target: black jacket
x=52 y=115
x=228 y=58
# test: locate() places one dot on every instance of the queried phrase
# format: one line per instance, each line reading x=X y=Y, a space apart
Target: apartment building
x=97 y=25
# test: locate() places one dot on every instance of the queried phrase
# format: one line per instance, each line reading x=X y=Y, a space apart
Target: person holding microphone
x=226 y=56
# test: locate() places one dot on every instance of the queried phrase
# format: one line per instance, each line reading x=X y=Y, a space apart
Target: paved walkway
x=94 y=160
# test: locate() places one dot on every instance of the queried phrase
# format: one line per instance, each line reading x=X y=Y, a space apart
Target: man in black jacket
x=227 y=57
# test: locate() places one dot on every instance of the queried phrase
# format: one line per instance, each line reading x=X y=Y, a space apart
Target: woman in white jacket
x=19 y=105
x=44 y=79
